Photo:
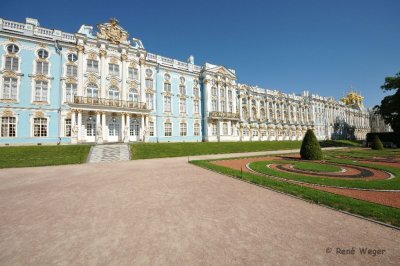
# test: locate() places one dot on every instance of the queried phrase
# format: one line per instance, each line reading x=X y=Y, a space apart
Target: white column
x=128 y=124
x=122 y=126
x=80 y=70
x=103 y=125
x=142 y=127
x=99 y=138
x=79 y=125
x=103 y=73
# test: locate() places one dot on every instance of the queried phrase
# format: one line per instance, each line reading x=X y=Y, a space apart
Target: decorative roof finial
x=114 y=21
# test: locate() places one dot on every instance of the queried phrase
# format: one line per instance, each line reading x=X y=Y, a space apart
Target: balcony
x=224 y=115
x=110 y=103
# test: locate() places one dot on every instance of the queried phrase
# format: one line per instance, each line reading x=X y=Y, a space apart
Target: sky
x=324 y=46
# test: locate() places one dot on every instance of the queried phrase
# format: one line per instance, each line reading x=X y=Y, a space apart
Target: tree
x=377 y=143
x=390 y=105
x=310 y=148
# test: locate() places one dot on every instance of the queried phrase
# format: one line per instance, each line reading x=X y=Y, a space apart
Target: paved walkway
x=169 y=212
x=109 y=153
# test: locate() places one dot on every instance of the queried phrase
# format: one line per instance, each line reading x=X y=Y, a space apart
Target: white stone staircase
x=109 y=153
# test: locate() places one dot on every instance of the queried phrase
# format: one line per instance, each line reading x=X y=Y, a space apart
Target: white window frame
x=9 y=126
x=196 y=129
x=33 y=127
x=167 y=102
x=182 y=105
x=113 y=69
x=73 y=89
x=93 y=66
x=16 y=88
x=43 y=97
x=168 y=131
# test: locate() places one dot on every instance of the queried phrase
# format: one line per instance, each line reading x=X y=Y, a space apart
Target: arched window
x=92 y=91
x=133 y=95
x=11 y=59
x=244 y=112
x=253 y=114
x=113 y=93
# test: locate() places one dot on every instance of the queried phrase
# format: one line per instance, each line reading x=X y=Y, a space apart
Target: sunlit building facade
x=103 y=86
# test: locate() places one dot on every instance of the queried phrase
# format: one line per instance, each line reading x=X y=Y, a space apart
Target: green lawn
x=374 y=211
x=161 y=150
x=316 y=167
x=26 y=156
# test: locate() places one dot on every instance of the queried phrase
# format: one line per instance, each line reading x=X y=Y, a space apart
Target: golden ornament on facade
x=40 y=77
x=114 y=60
x=103 y=53
x=112 y=32
x=124 y=57
x=9 y=74
x=92 y=56
x=39 y=114
x=114 y=82
x=80 y=48
x=92 y=79
x=8 y=112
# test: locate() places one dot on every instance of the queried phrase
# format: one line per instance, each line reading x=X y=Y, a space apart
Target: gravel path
x=169 y=212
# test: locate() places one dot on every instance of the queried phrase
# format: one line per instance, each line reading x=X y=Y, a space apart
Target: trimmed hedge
x=310 y=148
x=377 y=144
x=385 y=138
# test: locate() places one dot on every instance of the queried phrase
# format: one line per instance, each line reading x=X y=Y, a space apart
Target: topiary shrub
x=310 y=149
x=377 y=143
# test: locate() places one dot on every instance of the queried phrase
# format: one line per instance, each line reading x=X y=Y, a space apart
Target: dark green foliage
x=385 y=137
x=390 y=105
x=377 y=144
x=310 y=148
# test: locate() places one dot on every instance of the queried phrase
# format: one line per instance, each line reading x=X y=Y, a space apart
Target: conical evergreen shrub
x=310 y=149
x=377 y=143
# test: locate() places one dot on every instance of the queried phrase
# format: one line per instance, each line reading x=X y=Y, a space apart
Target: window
x=225 y=128
x=149 y=83
x=214 y=105
x=214 y=91
x=70 y=92
x=9 y=88
x=92 y=91
x=133 y=95
x=72 y=58
x=222 y=92
x=72 y=71
x=167 y=103
x=41 y=89
x=246 y=132
x=255 y=133
x=149 y=73
x=40 y=127
x=113 y=69
x=113 y=93
x=42 y=68
x=182 y=90
x=134 y=128
x=133 y=73
x=196 y=129
x=230 y=94
x=8 y=127
x=244 y=112
x=196 y=104
x=244 y=101
x=167 y=86
x=11 y=63
x=214 y=129
x=168 y=129
x=263 y=133
x=196 y=92
x=182 y=105
x=12 y=49
x=151 y=129
x=43 y=54
x=68 y=127
x=149 y=100
x=92 y=65
x=230 y=107
x=223 y=107
x=183 y=129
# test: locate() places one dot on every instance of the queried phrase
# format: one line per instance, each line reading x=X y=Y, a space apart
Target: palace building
x=104 y=86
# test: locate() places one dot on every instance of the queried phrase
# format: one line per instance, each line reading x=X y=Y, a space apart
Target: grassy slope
x=26 y=156
x=367 y=209
x=160 y=150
